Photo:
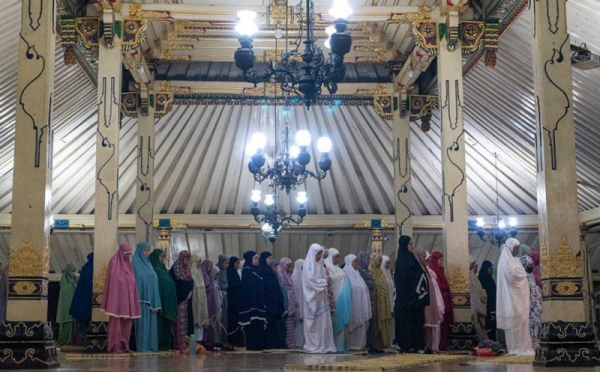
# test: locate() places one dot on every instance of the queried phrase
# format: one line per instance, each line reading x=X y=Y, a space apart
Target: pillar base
x=462 y=337
x=567 y=344
x=27 y=345
x=97 y=337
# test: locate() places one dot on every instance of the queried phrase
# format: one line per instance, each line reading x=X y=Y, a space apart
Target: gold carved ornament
x=381 y=89
x=566 y=288
x=561 y=265
x=426 y=35
x=383 y=104
x=99 y=280
x=163 y=104
x=459 y=283
x=423 y=13
x=269 y=90
x=165 y=87
x=27 y=262
x=23 y=288
x=135 y=10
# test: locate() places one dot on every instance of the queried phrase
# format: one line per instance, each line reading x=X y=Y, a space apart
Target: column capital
x=420 y=107
x=162 y=102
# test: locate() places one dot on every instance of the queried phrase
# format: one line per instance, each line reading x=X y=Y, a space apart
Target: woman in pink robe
x=120 y=300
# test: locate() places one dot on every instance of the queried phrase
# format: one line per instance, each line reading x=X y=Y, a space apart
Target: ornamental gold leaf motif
x=27 y=262
x=99 y=280
x=561 y=265
x=459 y=283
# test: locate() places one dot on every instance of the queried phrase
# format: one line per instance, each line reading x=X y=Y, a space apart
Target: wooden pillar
x=402 y=167
x=26 y=335
x=107 y=169
x=564 y=310
x=454 y=214
x=144 y=198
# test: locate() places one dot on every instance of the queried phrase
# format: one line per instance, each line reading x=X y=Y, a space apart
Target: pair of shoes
x=428 y=351
x=376 y=351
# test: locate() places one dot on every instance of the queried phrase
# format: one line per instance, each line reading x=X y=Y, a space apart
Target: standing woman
x=342 y=293
x=299 y=293
x=318 y=330
x=146 y=327
x=382 y=303
x=282 y=323
x=285 y=275
x=363 y=268
x=434 y=313
x=535 y=302
x=183 y=327
x=234 y=299
x=81 y=306
x=68 y=329
x=211 y=304
x=488 y=283
x=412 y=296
x=513 y=300
x=386 y=267
x=120 y=300
x=437 y=266
x=273 y=299
x=215 y=321
x=222 y=285
x=200 y=317
x=253 y=314
x=168 y=300
x=361 y=305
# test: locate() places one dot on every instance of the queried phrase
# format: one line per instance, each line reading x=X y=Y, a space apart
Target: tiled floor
x=267 y=362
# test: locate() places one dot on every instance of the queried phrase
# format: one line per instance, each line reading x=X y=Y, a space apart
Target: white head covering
x=361 y=303
x=241 y=267
x=512 y=300
x=314 y=284
x=336 y=275
x=390 y=281
x=297 y=280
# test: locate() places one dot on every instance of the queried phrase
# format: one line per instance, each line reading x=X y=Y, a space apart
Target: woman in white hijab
x=297 y=282
x=199 y=304
x=512 y=300
x=318 y=330
x=361 y=305
x=386 y=267
x=340 y=285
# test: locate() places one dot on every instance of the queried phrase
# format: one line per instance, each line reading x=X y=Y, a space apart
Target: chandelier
x=288 y=168
x=273 y=217
x=299 y=74
x=497 y=232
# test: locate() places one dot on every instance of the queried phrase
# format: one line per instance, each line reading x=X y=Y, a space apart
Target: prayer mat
x=506 y=359
x=81 y=356
x=384 y=363
x=71 y=349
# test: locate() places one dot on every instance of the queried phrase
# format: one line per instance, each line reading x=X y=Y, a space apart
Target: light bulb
x=327 y=43
x=512 y=221
x=266 y=227
x=246 y=26
x=324 y=145
x=269 y=200
x=340 y=9
x=259 y=141
x=294 y=151
x=480 y=222
x=255 y=196
x=411 y=74
x=51 y=220
x=302 y=138
x=330 y=30
x=301 y=197
x=278 y=32
x=501 y=224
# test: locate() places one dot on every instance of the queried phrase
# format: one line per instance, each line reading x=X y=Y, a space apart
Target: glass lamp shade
x=266 y=227
x=501 y=224
x=340 y=9
x=246 y=26
x=255 y=196
x=259 y=141
x=302 y=138
x=329 y=31
x=250 y=149
x=302 y=199
x=512 y=221
x=324 y=144
x=269 y=200
x=327 y=43
x=480 y=222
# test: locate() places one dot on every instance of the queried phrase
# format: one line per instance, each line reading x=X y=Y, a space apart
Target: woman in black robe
x=234 y=300
x=184 y=284
x=253 y=314
x=488 y=283
x=412 y=296
x=273 y=300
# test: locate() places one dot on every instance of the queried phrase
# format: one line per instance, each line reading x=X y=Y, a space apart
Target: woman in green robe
x=168 y=299
x=68 y=328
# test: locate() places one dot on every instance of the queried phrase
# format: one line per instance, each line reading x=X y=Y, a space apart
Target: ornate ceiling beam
x=167 y=12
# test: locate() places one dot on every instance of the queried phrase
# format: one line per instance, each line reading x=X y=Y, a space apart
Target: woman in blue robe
x=146 y=327
x=81 y=306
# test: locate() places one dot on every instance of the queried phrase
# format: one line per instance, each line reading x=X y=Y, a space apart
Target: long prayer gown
x=318 y=329
x=513 y=301
x=361 y=307
x=342 y=294
x=382 y=306
x=363 y=269
x=146 y=327
x=183 y=326
x=298 y=292
x=68 y=328
x=168 y=300
x=253 y=313
x=81 y=306
x=488 y=283
x=234 y=298
x=273 y=301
